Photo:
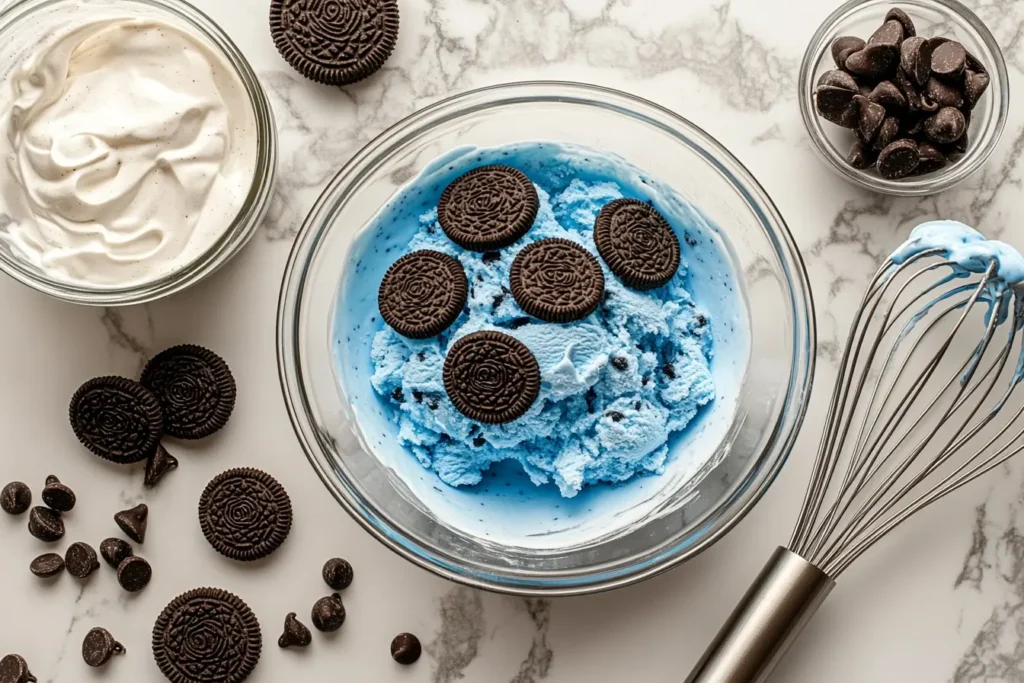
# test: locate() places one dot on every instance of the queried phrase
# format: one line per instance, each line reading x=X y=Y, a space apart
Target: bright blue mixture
x=615 y=385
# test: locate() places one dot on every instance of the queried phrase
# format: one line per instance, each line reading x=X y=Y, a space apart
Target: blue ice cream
x=615 y=385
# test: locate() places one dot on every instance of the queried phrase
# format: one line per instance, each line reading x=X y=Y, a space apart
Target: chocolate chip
x=491 y=256
x=57 y=496
x=398 y=396
x=943 y=94
x=338 y=573
x=909 y=89
x=974 y=64
x=898 y=160
x=913 y=125
x=47 y=566
x=838 y=79
x=16 y=498
x=946 y=126
x=916 y=59
x=114 y=551
x=872 y=116
x=975 y=85
x=837 y=105
x=99 y=646
x=931 y=158
x=874 y=62
x=406 y=649
x=888 y=95
x=860 y=157
x=328 y=613
x=955 y=149
x=45 y=524
x=887 y=134
x=615 y=416
x=949 y=61
x=81 y=560
x=134 y=574
x=928 y=105
x=14 y=669
x=479 y=442
x=889 y=33
x=843 y=47
x=669 y=370
x=516 y=323
x=295 y=633
x=159 y=464
x=909 y=30
x=133 y=522
x=620 y=363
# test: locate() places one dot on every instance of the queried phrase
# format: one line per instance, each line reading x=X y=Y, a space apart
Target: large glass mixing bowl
x=689 y=515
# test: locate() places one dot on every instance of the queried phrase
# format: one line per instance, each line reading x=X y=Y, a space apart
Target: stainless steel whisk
x=917 y=412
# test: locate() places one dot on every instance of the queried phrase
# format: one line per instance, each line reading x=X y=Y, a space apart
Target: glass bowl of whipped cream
x=663 y=415
x=138 y=148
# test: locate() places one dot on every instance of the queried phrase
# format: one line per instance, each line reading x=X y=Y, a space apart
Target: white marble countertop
x=941 y=601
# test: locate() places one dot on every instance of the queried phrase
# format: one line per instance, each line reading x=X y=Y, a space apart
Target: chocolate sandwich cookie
x=491 y=377
x=117 y=419
x=488 y=208
x=557 y=280
x=207 y=635
x=423 y=293
x=245 y=514
x=336 y=42
x=637 y=243
x=195 y=388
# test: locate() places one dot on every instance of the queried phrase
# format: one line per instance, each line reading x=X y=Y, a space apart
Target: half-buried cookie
x=637 y=243
x=557 y=280
x=488 y=208
x=422 y=294
x=491 y=377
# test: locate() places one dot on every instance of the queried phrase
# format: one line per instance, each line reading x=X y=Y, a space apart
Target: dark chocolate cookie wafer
x=488 y=208
x=637 y=243
x=335 y=42
x=245 y=514
x=117 y=419
x=195 y=388
x=423 y=293
x=207 y=635
x=491 y=377
x=557 y=280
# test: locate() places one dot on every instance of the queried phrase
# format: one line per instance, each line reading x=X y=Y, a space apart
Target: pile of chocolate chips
x=907 y=98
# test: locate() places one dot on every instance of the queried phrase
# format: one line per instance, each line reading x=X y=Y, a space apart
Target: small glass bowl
x=25 y=23
x=946 y=18
x=348 y=441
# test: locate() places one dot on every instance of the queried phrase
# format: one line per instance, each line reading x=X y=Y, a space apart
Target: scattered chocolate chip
x=491 y=377
x=488 y=208
x=207 y=634
x=295 y=633
x=338 y=573
x=887 y=134
x=931 y=158
x=949 y=60
x=81 y=560
x=888 y=95
x=45 y=524
x=872 y=116
x=328 y=613
x=557 y=280
x=909 y=30
x=898 y=160
x=975 y=85
x=158 y=465
x=196 y=390
x=874 y=61
x=860 y=156
x=943 y=94
x=99 y=646
x=245 y=514
x=916 y=60
x=946 y=126
x=838 y=79
x=669 y=370
x=57 y=496
x=117 y=419
x=423 y=293
x=889 y=33
x=134 y=574
x=14 y=669
x=491 y=256
x=843 y=47
x=133 y=522
x=615 y=416
x=16 y=498
x=837 y=105
x=47 y=566
x=114 y=551
x=406 y=649
x=620 y=363
x=638 y=243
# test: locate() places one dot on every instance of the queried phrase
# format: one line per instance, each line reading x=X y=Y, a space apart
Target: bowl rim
x=953 y=174
x=289 y=354
x=242 y=227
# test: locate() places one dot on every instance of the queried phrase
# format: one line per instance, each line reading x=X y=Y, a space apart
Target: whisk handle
x=770 y=617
